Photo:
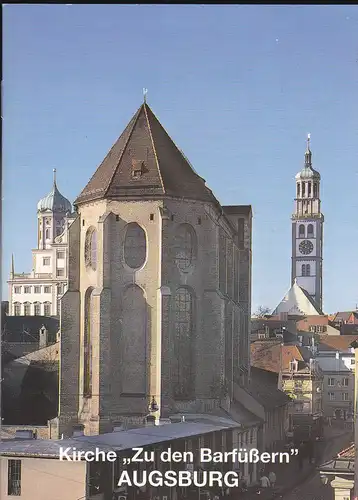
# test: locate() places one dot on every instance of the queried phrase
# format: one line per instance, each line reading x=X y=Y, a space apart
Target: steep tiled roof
x=161 y=168
x=345 y=315
x=274 y=356
x=336 y=342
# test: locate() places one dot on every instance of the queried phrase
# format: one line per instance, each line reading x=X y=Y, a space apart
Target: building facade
x=39 y=292
x=307 y=231
x=156 y=316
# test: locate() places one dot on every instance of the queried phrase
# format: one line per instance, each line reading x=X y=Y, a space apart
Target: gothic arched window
x=91 y=248
x=303 y=270
x=182 y=367
x=185 y=247
x=301 y=231
x=310 y=231
x=308 y=270
x=87 y=358
x=135 y=246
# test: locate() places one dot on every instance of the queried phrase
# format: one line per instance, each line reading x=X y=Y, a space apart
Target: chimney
x=118 y=426
x=150 y=421
x=78 y=430
x=43 y=337
x=25 y=434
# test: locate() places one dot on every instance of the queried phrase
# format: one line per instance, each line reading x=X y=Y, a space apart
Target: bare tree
x=262 y=311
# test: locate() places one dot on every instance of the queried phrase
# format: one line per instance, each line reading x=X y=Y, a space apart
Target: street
x=312 y=488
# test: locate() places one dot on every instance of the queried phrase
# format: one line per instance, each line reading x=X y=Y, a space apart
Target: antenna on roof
x=145 y=92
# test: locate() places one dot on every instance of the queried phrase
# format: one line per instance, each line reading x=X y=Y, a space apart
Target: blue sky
x=237 y=87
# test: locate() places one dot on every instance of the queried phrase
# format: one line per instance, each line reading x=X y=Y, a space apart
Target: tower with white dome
x=39 y=292
x=307 y=231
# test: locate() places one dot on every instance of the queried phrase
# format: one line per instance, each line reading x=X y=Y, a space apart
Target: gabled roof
x=345 y=315
x=336 y=342
x=145 y=162
x=274 y=357
x=297 y=301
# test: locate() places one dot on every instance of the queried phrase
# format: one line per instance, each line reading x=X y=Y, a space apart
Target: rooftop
x=117 y=441
x=339 y=343
x=145 y=162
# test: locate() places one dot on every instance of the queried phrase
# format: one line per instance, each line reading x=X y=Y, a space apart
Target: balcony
x=31 y=276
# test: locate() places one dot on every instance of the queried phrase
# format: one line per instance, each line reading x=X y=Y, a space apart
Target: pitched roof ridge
x=134 y=120
x=154 y=149
x=350 y=447
x=178 y=149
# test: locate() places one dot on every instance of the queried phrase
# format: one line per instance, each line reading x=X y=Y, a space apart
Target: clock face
x=306 y=247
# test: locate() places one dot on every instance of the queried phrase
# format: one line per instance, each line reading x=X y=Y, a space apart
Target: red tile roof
x=348 y=453
x=273 y=357
x=337 y=342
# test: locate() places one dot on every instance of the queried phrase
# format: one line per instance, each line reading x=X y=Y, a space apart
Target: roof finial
x=145 y=92
x=54 y=176
x=308 y=154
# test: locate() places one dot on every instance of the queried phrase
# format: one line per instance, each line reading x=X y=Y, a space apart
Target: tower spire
x=54 y=177
x=145 y=92
x=12 y=270
x=308 y=153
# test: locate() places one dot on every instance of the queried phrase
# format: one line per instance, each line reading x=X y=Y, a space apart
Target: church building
x=39 y=293
x=156 y=316
x=305 y=296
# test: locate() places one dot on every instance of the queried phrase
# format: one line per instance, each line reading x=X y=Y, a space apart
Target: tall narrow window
x=87 y=361
x=298 y=190
x=303 y=188
x=308 y=270
x=310 y=231
x=47 y=234
x=303 y=270
x=27 y=309
x=14 y=478
x=17 y=309
x=37 y=309
x=185 y=246
x=47 y=309
x=309 y=185
x=134 y=341
x=315 y=190
x=91 y=248
x=182 y=367
x=135 y=246
x=301 y=231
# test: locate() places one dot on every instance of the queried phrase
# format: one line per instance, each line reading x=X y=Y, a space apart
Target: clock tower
x=307 y=231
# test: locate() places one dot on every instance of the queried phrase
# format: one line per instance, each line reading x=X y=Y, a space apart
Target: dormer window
x=293 y=365
x=137 y=168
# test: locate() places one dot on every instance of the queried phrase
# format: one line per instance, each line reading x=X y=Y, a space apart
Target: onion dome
x=54 y=201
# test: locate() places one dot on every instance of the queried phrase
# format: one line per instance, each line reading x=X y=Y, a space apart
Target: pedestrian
x=272 y=478
x=265 y=482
